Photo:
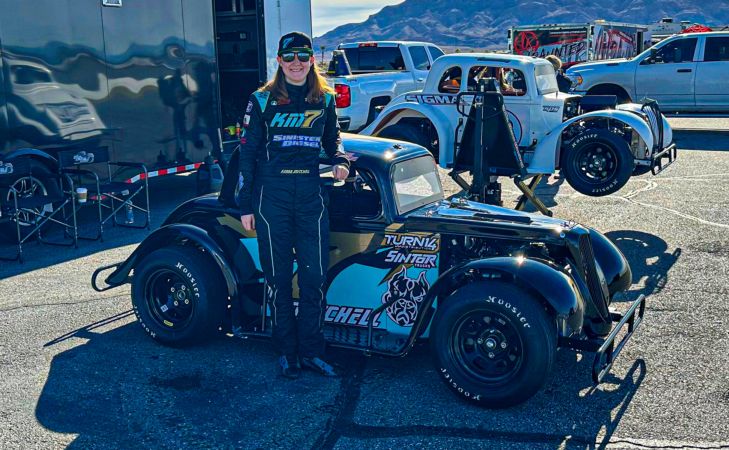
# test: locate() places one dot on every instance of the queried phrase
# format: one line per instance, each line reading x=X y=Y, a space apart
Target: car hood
x=605 y=64
x=460 y=216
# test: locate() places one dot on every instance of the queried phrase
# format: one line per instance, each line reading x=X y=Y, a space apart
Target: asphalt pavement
x=76 y=369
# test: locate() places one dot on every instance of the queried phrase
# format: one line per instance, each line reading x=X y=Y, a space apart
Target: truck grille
x=588 y=266
x=655 y=120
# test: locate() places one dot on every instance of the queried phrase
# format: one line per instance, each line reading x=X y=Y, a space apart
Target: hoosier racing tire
x=493 y=344
x=597 y=163
x=178 y=296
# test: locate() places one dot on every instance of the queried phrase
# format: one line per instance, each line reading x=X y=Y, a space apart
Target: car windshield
x=546 y=79
x=416 y=183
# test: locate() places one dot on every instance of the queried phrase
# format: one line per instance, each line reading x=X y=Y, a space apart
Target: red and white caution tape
x=162 y=172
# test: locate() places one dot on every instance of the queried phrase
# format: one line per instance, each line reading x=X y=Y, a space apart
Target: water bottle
x=129 y=214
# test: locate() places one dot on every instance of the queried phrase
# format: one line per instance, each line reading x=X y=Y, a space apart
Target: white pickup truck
x=379 y=71
x=686 y=72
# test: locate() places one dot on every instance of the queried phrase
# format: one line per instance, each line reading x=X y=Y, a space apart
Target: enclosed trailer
x=153 y=81
x=574 y=43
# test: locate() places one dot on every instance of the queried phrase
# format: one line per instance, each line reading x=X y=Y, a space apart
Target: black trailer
x=153 y=81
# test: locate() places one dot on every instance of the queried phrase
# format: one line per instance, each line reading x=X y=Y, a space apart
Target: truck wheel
x=40 y=183
x=493 y=344
x=178 y=296
x=597 y=163
x=408 y=133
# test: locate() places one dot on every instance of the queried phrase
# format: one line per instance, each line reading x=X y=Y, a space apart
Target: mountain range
x=482 y=24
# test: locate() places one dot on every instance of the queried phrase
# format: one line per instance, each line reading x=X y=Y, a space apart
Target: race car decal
x=358 y=317
x=407 y=293
x=431 y=99
x=411 y=249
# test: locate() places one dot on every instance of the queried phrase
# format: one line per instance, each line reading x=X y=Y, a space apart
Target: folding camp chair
x=110 y=196
x=27 y=206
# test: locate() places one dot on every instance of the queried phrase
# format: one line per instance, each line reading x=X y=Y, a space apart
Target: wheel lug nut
x=491 y=355
x=187 y=302
x=503 y=345
x=176 y=303
x=480 y=341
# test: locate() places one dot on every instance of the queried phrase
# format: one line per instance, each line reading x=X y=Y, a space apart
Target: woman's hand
x=248 y=221
x=340 y=172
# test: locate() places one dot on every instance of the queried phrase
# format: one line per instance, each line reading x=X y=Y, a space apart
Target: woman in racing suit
x=287 y=123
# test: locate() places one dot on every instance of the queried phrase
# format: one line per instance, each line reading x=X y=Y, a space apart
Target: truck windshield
x=416 y=183
x=373 y=59
x=546 y=79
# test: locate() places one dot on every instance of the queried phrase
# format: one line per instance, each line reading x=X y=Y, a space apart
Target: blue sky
x=329 y=14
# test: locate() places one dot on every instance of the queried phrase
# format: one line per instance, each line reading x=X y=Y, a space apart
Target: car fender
x=562 y=295
x=32 y=153
x=399 y=108
x=612 y=263
x=177 y=234
x=638 y=109
x=546 y=154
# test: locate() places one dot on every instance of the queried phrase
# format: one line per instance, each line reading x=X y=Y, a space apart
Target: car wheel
x=178 y=296
x=40 y=183
x=408 y=133
x=493 y=343
x=597 y=163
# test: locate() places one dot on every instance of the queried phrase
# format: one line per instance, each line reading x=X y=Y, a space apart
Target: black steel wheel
x=597 y=162
x=177 y=295
x=493 y=343
x=487 y=345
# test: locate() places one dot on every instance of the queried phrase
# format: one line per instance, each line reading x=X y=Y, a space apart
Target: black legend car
x=495 y=291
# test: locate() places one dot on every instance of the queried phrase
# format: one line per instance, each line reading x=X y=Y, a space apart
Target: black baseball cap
x=294 y=40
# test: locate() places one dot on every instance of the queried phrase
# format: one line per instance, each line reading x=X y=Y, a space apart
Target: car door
x=668 y=74
x=372 y=262
x=421 y=65
x=712 y=83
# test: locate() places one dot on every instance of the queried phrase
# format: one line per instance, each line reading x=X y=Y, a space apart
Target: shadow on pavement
x=165 y=195
x=120 y=388
x=706 y=140
x=648 y=257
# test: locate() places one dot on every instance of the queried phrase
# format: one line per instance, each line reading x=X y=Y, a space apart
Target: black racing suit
x=279 y=172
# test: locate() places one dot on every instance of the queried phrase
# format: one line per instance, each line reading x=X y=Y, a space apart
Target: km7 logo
x=296 y=120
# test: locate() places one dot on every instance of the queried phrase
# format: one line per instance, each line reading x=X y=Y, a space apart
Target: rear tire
x=178 y=296
x=493 y=343
x=409 y=133
x=597 y=163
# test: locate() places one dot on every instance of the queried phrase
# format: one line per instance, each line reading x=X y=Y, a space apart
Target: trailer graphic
x=576 y=43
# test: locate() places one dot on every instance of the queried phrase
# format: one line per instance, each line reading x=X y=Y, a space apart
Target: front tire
x=493 y=343
x=178 y=296
x=597 y=163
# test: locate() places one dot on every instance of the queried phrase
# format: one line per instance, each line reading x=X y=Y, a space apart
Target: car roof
x=369 y=153
x=501 y=58
x=384 y=43
x=701 y=33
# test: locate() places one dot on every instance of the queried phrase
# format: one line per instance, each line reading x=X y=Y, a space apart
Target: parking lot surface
x=76 y=370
